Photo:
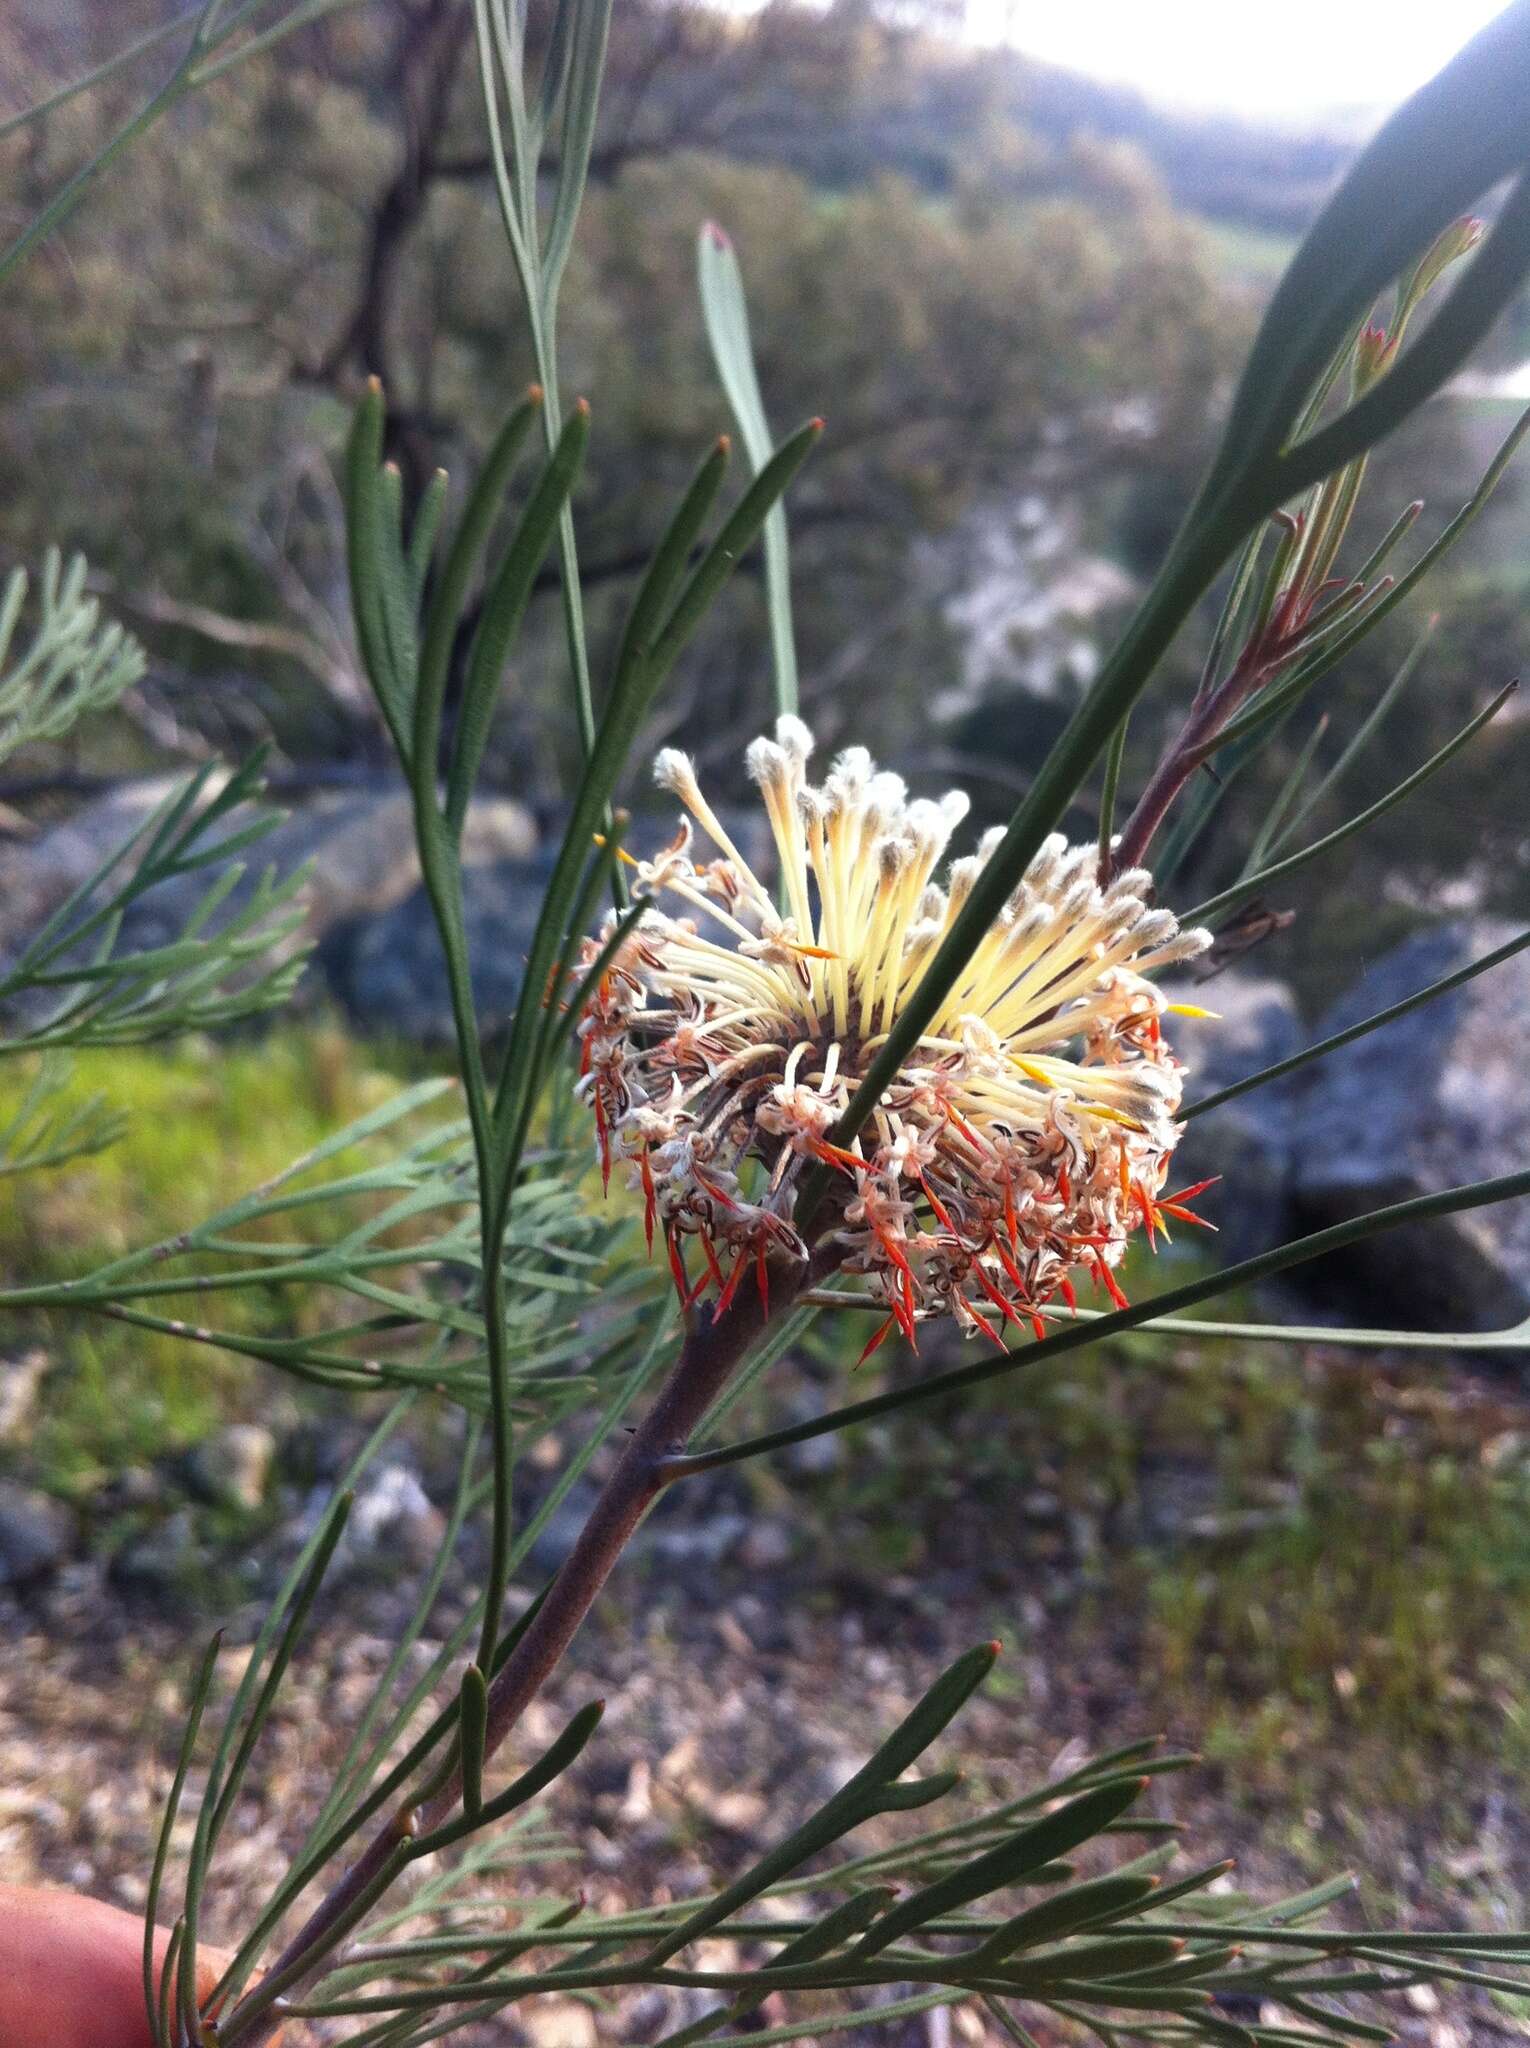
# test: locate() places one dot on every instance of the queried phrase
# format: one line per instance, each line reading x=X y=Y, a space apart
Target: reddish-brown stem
x=712 y=1350
x=1260 y=662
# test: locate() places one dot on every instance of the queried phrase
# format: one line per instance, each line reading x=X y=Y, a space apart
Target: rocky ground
x=745 y=1673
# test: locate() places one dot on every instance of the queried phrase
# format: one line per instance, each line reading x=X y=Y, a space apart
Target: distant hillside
x=839 y=97
x=1271 y=179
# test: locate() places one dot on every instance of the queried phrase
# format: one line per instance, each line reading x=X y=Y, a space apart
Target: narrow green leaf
x=504 y=606
x=201 y=1686
x=1115 y=754
x=726 y=314
x=1101 y=1898
x=1254 y=885
x=551 y=1765
x=1102 y=1960
x=834 y=1929
x=483 y=507
x=1367 y=731
x=854 y=1802
x=364 y=551
x=920 y=1792
x=220 y=1798
x=396 y=603
x=670 y=558
x=1488 y=286
x=422 y=535
x=739 y=532
x=1273 y=703
x=1455 y=138
x=1080 y=1820
x=555 y=67
x=847 y=2022
x=472 y=1724
x=1336 y=2022
x=1286 y=797
x=591 y=24
x=57 y=210
x=168 y=1975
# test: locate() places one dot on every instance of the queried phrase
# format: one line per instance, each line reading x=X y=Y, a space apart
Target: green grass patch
x=206 y=1121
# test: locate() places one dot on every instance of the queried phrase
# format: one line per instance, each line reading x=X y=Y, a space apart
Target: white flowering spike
x=1027 y=1134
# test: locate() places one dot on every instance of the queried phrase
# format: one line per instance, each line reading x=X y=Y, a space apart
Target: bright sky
x=1251 y=56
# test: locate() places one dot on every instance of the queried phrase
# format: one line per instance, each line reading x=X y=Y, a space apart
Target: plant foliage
x=464 y=1259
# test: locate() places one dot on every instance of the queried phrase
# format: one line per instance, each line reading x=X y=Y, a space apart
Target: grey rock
x=1425 y=1103
x=393 y=1518
x=135 y=1486
x=697 y=1543
x=559 y=1533
x=1247 y=1142
x=766 y=1547
x=38 y=874
x=232 y=1467
x=35 y=1535
x=387 y=970
x=162 y=1564
x=816 y=1457
x=358 y=845
x=1173 y=1496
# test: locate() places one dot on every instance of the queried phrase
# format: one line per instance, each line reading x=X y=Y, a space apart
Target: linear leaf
x=726 y=313
x=1239 y=893
x=483 y=507
x=504 y=605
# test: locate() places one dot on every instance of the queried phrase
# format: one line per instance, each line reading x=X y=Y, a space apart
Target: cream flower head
x=1024 y=1138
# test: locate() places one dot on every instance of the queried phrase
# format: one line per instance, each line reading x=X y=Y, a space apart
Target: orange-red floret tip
x=582 y=407
x=534 y=394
